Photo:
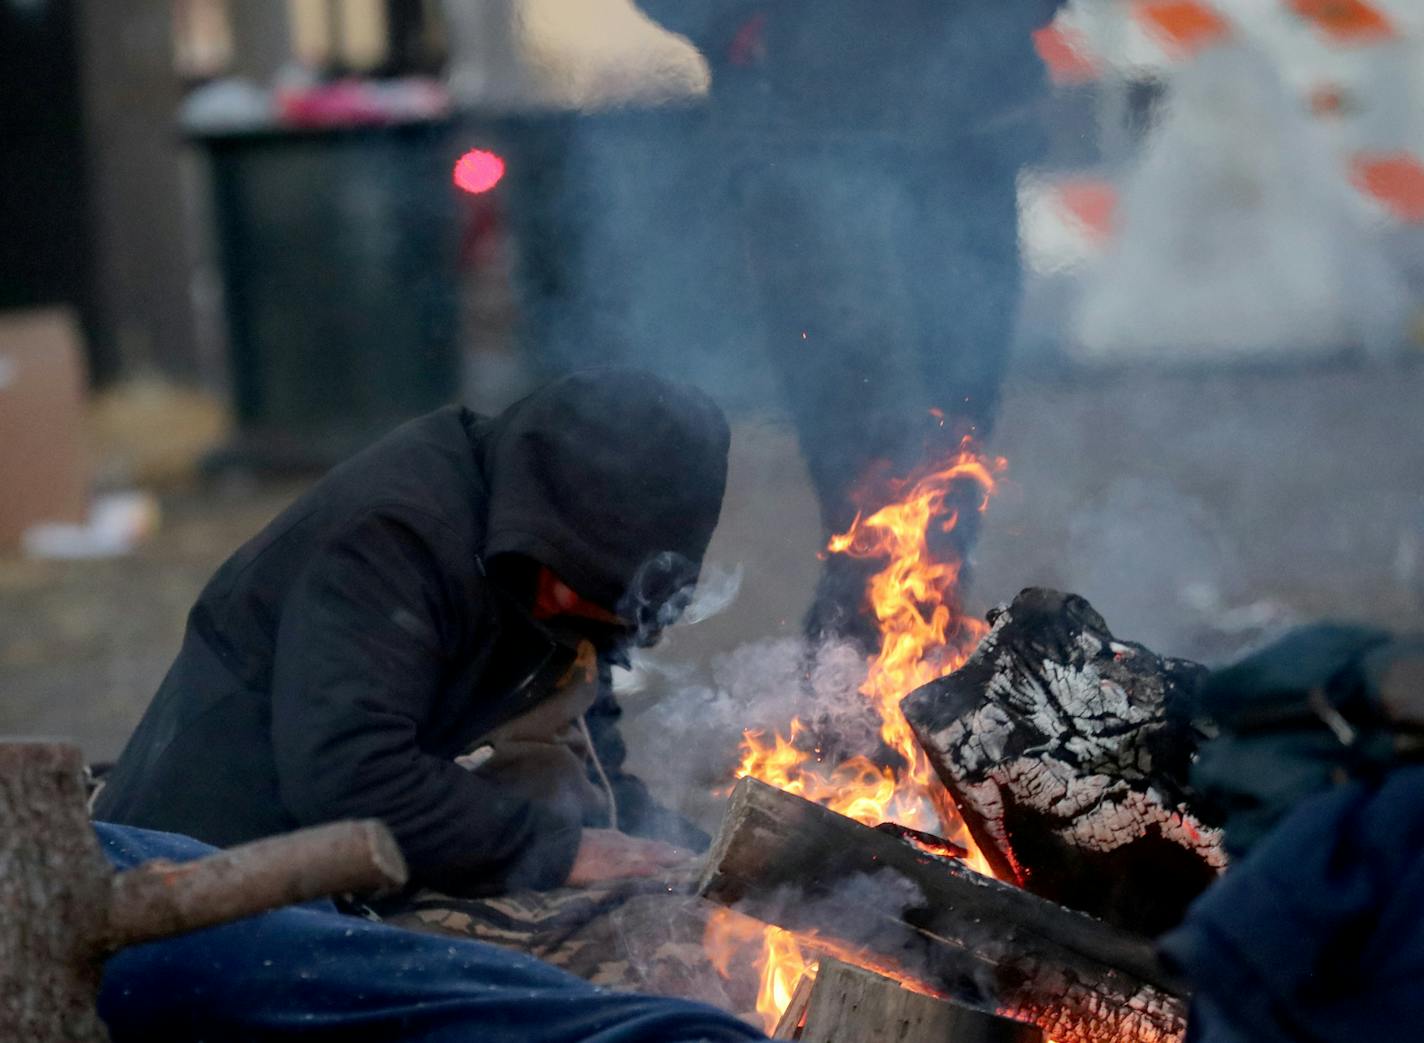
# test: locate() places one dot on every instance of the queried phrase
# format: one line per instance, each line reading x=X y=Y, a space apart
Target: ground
x=1197 y=511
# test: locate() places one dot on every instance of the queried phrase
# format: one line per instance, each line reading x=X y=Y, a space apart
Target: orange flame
x=776 y=952
x=922 y=637
x=784 y=958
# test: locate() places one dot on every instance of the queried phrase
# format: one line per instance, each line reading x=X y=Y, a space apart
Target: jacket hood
x=613 y=478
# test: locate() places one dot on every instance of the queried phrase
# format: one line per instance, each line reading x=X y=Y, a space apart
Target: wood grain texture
x=851 y=1005
x=160 y=899
x=62 y=910
x=54 y=891
x=796 y=864
x=1067 y=752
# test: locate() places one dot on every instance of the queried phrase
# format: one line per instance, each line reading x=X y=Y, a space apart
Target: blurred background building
x=98 y=172
x=273 y=228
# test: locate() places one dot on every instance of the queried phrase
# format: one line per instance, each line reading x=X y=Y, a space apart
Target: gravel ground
x=84 y=644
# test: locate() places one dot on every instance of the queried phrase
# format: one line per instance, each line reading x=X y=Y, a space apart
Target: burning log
x=844 y=1002
x=1067 y=753
x=796 y=864
x=64 y=911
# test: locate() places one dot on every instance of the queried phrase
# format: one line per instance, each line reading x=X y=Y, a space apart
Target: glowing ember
x=922 y=637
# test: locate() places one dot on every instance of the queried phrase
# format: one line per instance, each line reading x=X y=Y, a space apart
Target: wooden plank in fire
x=788 y=861
x=847 y=1004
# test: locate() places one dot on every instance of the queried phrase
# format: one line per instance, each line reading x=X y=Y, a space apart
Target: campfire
x=923 y=637
x=867 y=860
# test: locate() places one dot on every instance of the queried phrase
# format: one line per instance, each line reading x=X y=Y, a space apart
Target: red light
x=478 y=171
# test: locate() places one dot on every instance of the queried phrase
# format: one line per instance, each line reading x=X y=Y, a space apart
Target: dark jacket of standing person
x=339 y=663
x=924 y=70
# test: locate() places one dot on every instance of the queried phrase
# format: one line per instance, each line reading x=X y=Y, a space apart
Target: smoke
x=662 y=593
x=760 y=686
x=832 y=247
x=687 y=717
x=868 y=919
x=717 y=588
x=840 y=205
x=858 y=906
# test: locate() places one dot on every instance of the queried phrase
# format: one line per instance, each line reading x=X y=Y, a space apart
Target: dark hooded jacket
x=337 y=664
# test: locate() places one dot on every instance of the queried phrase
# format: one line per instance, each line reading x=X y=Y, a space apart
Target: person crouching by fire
x=417 y=639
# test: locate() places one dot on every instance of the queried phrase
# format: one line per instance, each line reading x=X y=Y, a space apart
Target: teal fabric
x=1275 y=710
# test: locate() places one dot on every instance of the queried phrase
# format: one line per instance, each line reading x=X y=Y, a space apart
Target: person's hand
x=606 y=854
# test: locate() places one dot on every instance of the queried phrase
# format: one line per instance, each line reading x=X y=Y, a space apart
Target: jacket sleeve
x=362 y=650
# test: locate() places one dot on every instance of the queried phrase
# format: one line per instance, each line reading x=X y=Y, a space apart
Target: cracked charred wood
x=62 y=910
x=787 y=861
x=1067 y=752
x=847 y=1003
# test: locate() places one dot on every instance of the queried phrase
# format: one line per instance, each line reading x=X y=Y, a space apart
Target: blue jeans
x=311 y=973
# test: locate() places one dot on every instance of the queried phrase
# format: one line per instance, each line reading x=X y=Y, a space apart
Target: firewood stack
x=1067 y=752
x=867 y=893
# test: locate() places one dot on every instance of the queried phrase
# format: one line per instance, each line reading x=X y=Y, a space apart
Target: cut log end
x=1067 y=751
x=849 y=1003
x=22 y=757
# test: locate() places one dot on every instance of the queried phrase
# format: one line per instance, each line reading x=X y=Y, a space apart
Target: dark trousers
x=858 y=282
x=887 y=279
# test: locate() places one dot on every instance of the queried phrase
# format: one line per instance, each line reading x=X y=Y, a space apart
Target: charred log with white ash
x=1067 y=752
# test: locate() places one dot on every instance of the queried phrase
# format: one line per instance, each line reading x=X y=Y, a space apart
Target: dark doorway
x=45 y=246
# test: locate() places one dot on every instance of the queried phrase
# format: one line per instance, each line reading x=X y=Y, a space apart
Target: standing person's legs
x=631 y=257
x=821 y=232
x=965 y=245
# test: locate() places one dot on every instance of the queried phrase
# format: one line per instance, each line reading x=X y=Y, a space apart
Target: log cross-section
x=793 y=863
x=62 y=909
x=1067 y=752
x=849 y=1005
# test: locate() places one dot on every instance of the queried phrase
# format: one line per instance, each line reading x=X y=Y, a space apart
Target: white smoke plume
x=686 y=720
